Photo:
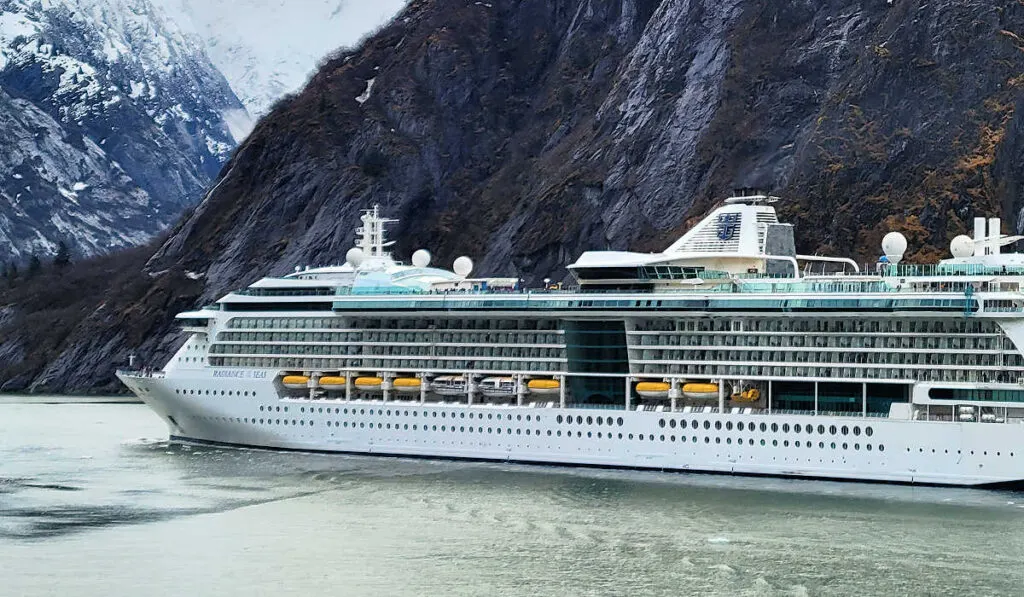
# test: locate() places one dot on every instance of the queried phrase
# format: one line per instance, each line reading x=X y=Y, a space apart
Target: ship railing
x=142 y=373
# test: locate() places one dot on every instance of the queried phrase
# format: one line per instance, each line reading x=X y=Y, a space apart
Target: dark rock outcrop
x=524 y=133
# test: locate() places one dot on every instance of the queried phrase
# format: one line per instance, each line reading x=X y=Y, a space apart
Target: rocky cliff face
x=524 y=133
x=113 y=122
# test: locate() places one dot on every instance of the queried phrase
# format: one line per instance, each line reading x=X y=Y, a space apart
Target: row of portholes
x=590 y=420
x=775 y=443
x=194 y=392
x=443 y=428
x=294 y=422
x=271 y=409
x=796 y=428
x=983 y=453
x=405 y=413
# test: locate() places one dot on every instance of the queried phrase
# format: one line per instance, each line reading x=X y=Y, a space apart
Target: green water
x=94 y=502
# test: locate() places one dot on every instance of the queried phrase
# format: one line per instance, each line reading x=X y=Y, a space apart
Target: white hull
x=902 y=451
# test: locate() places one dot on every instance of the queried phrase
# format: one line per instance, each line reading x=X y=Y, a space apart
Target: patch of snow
x=362 y=99
x=78 y=187
x=137 y=89
x=18 y=177
x=69 y=195
x=239 y=122
x=194 y=275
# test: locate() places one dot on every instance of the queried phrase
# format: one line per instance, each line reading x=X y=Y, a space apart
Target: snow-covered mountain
x=112 y=121
x=268 y=48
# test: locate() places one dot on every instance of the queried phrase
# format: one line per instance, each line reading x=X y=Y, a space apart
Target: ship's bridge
x=744 y=236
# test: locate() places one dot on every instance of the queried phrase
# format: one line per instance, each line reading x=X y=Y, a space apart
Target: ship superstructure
x=727 y=352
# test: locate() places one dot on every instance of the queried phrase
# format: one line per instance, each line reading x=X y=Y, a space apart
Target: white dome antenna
x=421 y=258
x=894 y=245
x=962 y=246
x=463 y=266
x=355 y=257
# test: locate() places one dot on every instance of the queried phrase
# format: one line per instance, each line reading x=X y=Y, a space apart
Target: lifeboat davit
x=449 y=385
x=497 y=386
x=295 y=382
x=368 y=384
x=407 y=385
x=653 y=389
x=329 y=382
x=544 y=386
x=700 y=391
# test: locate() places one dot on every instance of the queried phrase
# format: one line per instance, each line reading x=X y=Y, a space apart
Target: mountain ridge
x=119 y=120
x=523 y=134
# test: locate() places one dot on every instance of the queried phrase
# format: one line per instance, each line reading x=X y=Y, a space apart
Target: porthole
x=868 y=431
x=821 y=445
x=762 y=442
x=718 y=440
x=630 y=436
x=619 y=421
x=739 y=426
x=832 y=429
x=671 y=438
x=785 y=428
x=672 y=423
x=856 y=431
x=833 y=445
x=728 y=440
x=718 y=425
x=797 y=428
x=775 y=442
x=821 y=430
x=579 y=420
x=846 y=430
x=846 y=446
x=868 y=447
x=661 y=422
x=590 y=420
x=600 y=420
x=558 y=419
x=796 y=444
x=728 y=426
x=763 y=427
x=707 y=424
x=785 y=444
x=559 y=433
x=881 y=447
x=856 y=446
x=775 y=427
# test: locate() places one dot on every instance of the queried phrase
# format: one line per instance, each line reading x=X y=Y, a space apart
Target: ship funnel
x=979 y=237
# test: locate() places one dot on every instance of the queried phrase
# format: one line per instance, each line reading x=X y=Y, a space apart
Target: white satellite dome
x=962 y=246
x=421 y=258
x=894 y=245
x=355 y=257
x=463 y=266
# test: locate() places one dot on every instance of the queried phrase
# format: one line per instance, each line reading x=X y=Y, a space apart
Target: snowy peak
x=273 y=46
x=117 y=120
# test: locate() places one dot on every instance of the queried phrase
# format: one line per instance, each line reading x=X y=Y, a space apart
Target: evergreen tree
x=34 y=265
x=63 y=257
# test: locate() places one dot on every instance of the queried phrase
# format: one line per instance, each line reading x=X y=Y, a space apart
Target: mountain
x=114 y=121
x=269 y=48
x=523 y=133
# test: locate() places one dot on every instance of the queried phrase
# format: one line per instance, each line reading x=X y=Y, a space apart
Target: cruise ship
x=726 y=353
